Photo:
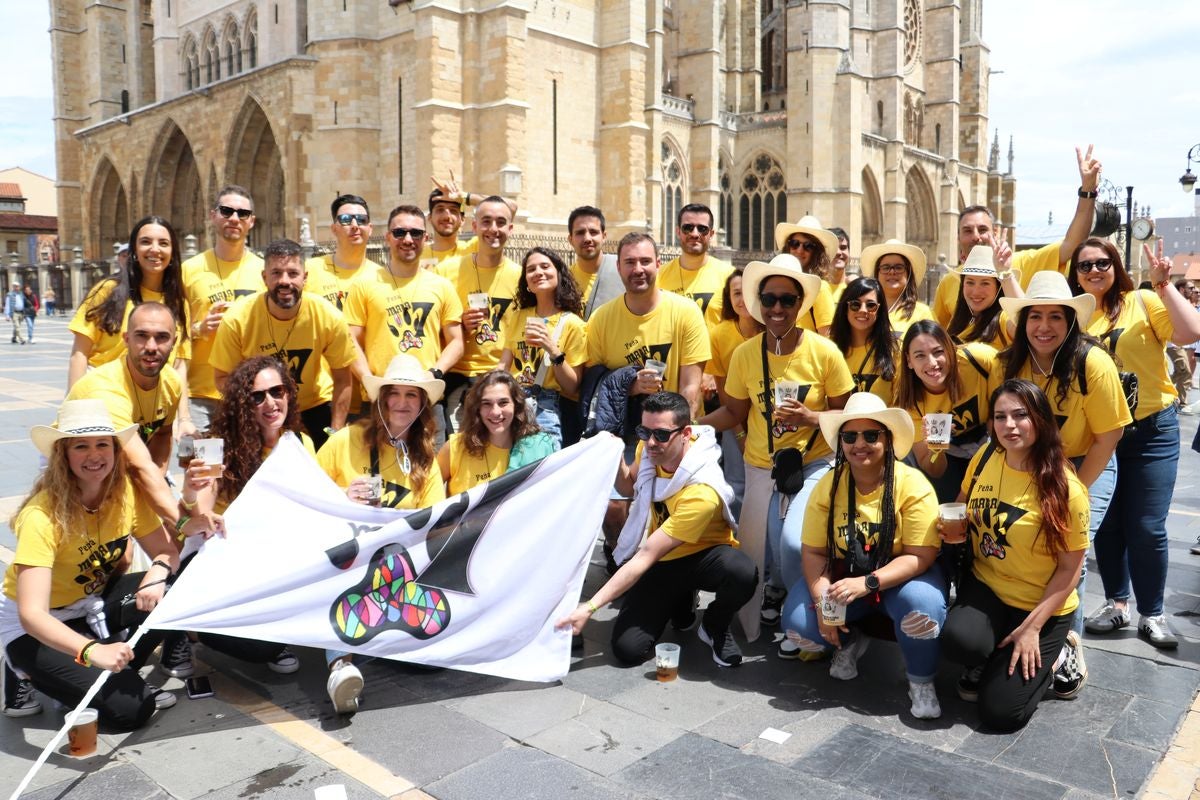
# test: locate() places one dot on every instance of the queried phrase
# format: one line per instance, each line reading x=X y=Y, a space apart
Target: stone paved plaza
x=609 y=732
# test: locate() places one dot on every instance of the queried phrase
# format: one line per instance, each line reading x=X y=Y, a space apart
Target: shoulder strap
x=543 y=368
x=978 y=367
x=988 y=452
x=1146 y=312
x=768 y=396
x=374 y=458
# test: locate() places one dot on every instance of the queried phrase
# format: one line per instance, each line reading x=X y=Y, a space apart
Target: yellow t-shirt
x=80 y=562
x=1140 y=333
x=331 y=281
x=127 y=403
x=467 y=470
x=816 y=364
x=1027 y=261
x=861 y=361
x=1080 y=417
x=702 y=286
x=674 y=333
x=482 y=348
x=1000 y=341
x=585 y=281
x=901 y=324
x=317 y=332
x=820 y=315
x=572 y=341
x=208 y=280
x=692 y=516
x=916 y=513
x=723 y=340
x=461 y=248
x=108 y=347
x=971 y=410
x=346 y=455
x=1004 y=519
x=401 y=315
x=837 y=291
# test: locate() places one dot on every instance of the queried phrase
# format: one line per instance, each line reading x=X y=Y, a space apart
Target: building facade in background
x=29 y=231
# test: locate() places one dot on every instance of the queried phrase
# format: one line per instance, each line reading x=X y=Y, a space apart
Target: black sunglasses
x=259 y=396
x=661 y=435
x=227 y=212
x=688 y=227
x=1100 y=265
x=770 y=299
x=417 y=234
x=359 y=219
x=871 y=436
x=809 y=247
x=859 y=305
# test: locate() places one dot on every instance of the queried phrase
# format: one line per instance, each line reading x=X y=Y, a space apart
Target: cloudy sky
x=1123 y=75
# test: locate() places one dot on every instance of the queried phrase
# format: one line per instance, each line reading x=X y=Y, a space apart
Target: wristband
x=82 y=658
x=160 y=563
x=591 y=607
x=188 y=506
x=1092 y=195
x=179 y=526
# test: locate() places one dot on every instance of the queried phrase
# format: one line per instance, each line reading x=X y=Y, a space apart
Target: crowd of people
x=797 y=437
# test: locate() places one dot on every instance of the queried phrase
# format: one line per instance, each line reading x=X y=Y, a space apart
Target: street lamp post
x=1188 y=180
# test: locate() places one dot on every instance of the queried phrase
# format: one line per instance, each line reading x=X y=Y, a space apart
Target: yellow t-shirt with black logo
x=1027 y=261
x=861 y=361
x=1080 y=417
x=820 y=315
x=467 y=470
x=346 y=455
x=971 y=410
x=127 y=403
x=107 y=347
x=80 y=562
x=572 y=341
x=916 y=509
x=901 y=324
x=482 y=347
x=316 y=333
x=402 y=315
x=723 y=340
x=332 y=282
x=674 y=333
x=1004 y=520
x=208 y=280
x=702 y=286
x=816 y=364
x=1140 y=333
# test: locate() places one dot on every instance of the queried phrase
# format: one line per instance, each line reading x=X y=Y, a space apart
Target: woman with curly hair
x=862 y=331
x=1027 y=523
x=815 y=247
x=899 y=268
x=545 y=345
x=497 y=435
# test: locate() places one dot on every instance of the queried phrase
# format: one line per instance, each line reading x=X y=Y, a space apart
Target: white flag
x=474 y=583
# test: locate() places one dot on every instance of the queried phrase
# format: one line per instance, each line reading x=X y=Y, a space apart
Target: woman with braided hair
x=885 y=561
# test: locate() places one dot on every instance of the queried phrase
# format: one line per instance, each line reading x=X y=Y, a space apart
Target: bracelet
x=179 y=526
x=591 y=607
x=188 y=506
x=740 y=435
x=1158 y=287
x=82 y=658
x=160 y=563
x=148 y=585
x=1092 y=195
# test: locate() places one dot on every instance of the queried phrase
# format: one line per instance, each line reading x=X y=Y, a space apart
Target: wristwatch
x=872 y=582
x=559 y=359
x=437 y=373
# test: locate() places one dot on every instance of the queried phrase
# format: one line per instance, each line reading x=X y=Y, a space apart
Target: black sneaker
x=20 y=698
x=1071 y=676
x=968 y=684
x=176 y=658
x=685 y=616
x=772 y=606
x=724 y=649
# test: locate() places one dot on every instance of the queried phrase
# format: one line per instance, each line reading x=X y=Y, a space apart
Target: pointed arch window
x=762 y=203
x=672 y=189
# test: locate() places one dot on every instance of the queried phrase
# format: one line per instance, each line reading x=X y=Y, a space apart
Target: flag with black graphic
x=473 y=583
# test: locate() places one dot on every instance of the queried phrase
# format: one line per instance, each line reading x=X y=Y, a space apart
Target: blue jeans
x=1100 y=494
x=783 y=534
x=924 y=594
x=29 y=327
x=547 y=411
x=1131 y=545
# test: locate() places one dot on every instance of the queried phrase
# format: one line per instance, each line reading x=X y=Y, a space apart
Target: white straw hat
x=77 y=418
x=979 y=263
x=784 y=264
x=810 y=226
x=865 y=405
x=1047 y=288
x=871 y=255
x=405 y=370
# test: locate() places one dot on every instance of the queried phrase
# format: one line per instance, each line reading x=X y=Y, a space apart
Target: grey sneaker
x=924 y=700
x=1108 y=619
x=162 y=698
x=176 y=657
x=1158 y=632
x=845 y=659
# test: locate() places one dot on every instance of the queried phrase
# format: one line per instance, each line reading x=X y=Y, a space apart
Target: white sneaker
x=344 y=686
x=1108 y=619
x=924 y=700
x=1158 y=632
x=845 y=659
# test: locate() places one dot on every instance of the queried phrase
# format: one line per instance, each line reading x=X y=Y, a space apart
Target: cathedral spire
x=994 y=158
x=1010 y=156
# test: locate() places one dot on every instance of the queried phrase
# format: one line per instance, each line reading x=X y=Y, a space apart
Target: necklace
x=1000 y=483
x=779 y=342
x=145 y=423
x=281 y=351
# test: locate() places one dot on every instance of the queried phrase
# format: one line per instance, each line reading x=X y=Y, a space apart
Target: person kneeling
x=884 y=562
x=680 y=493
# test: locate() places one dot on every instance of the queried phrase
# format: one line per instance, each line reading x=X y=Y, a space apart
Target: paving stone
x=22 y=741
x=807 y=732
x=1142 y=677
x=887 y=767
x=685 y=702
x=299 y=778
x=524 y=772
x=598 y=677
x=740 y=725
x=521 y=714
x=605 y=738
x=1147 y=724
x=119 y=780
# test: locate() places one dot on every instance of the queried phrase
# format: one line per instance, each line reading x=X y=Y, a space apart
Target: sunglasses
x=808 y=247
x=259 y=396
x=660 y=435
x=357 y=219
x=770 y=299
x=1100 y=265
x=870 y=437
x=417 y=234
x=870 y=306
x=242 y=213
x=689 y=227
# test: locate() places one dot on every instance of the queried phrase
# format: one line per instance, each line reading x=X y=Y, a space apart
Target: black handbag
x=787 y=464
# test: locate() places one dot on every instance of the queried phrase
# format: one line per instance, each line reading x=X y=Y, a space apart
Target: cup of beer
x=938 y=428
x=212 y=453
x=659 y=367
x=374 y=490
x=786 y=390
x=833 y=610
x=186 y=451
x=666 y=661
x=82 y=735
x=478 y=300
x=954 y=522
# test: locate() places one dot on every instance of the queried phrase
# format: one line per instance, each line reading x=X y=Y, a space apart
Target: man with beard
x=212 y=280
x=594 y=271
x=695 y=274
x=300 y=331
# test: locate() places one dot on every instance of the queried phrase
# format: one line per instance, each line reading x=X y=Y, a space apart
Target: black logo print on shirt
x=996 y=523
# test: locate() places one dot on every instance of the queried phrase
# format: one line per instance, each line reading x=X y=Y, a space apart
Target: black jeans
x=668 y=585
x=125 y=702
x=976 y=624
x=253 y=651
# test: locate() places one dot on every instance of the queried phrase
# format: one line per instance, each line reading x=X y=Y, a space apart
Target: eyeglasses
x=870 y=306
x=357 y=219
x=689 y=227
x=893 y=268
x=259 y=396
x=809 y=247
x=770 y=299
x=1100 y=265
x=660 y=435
x=870 y=437
x=242 y=213
x=417 y=234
